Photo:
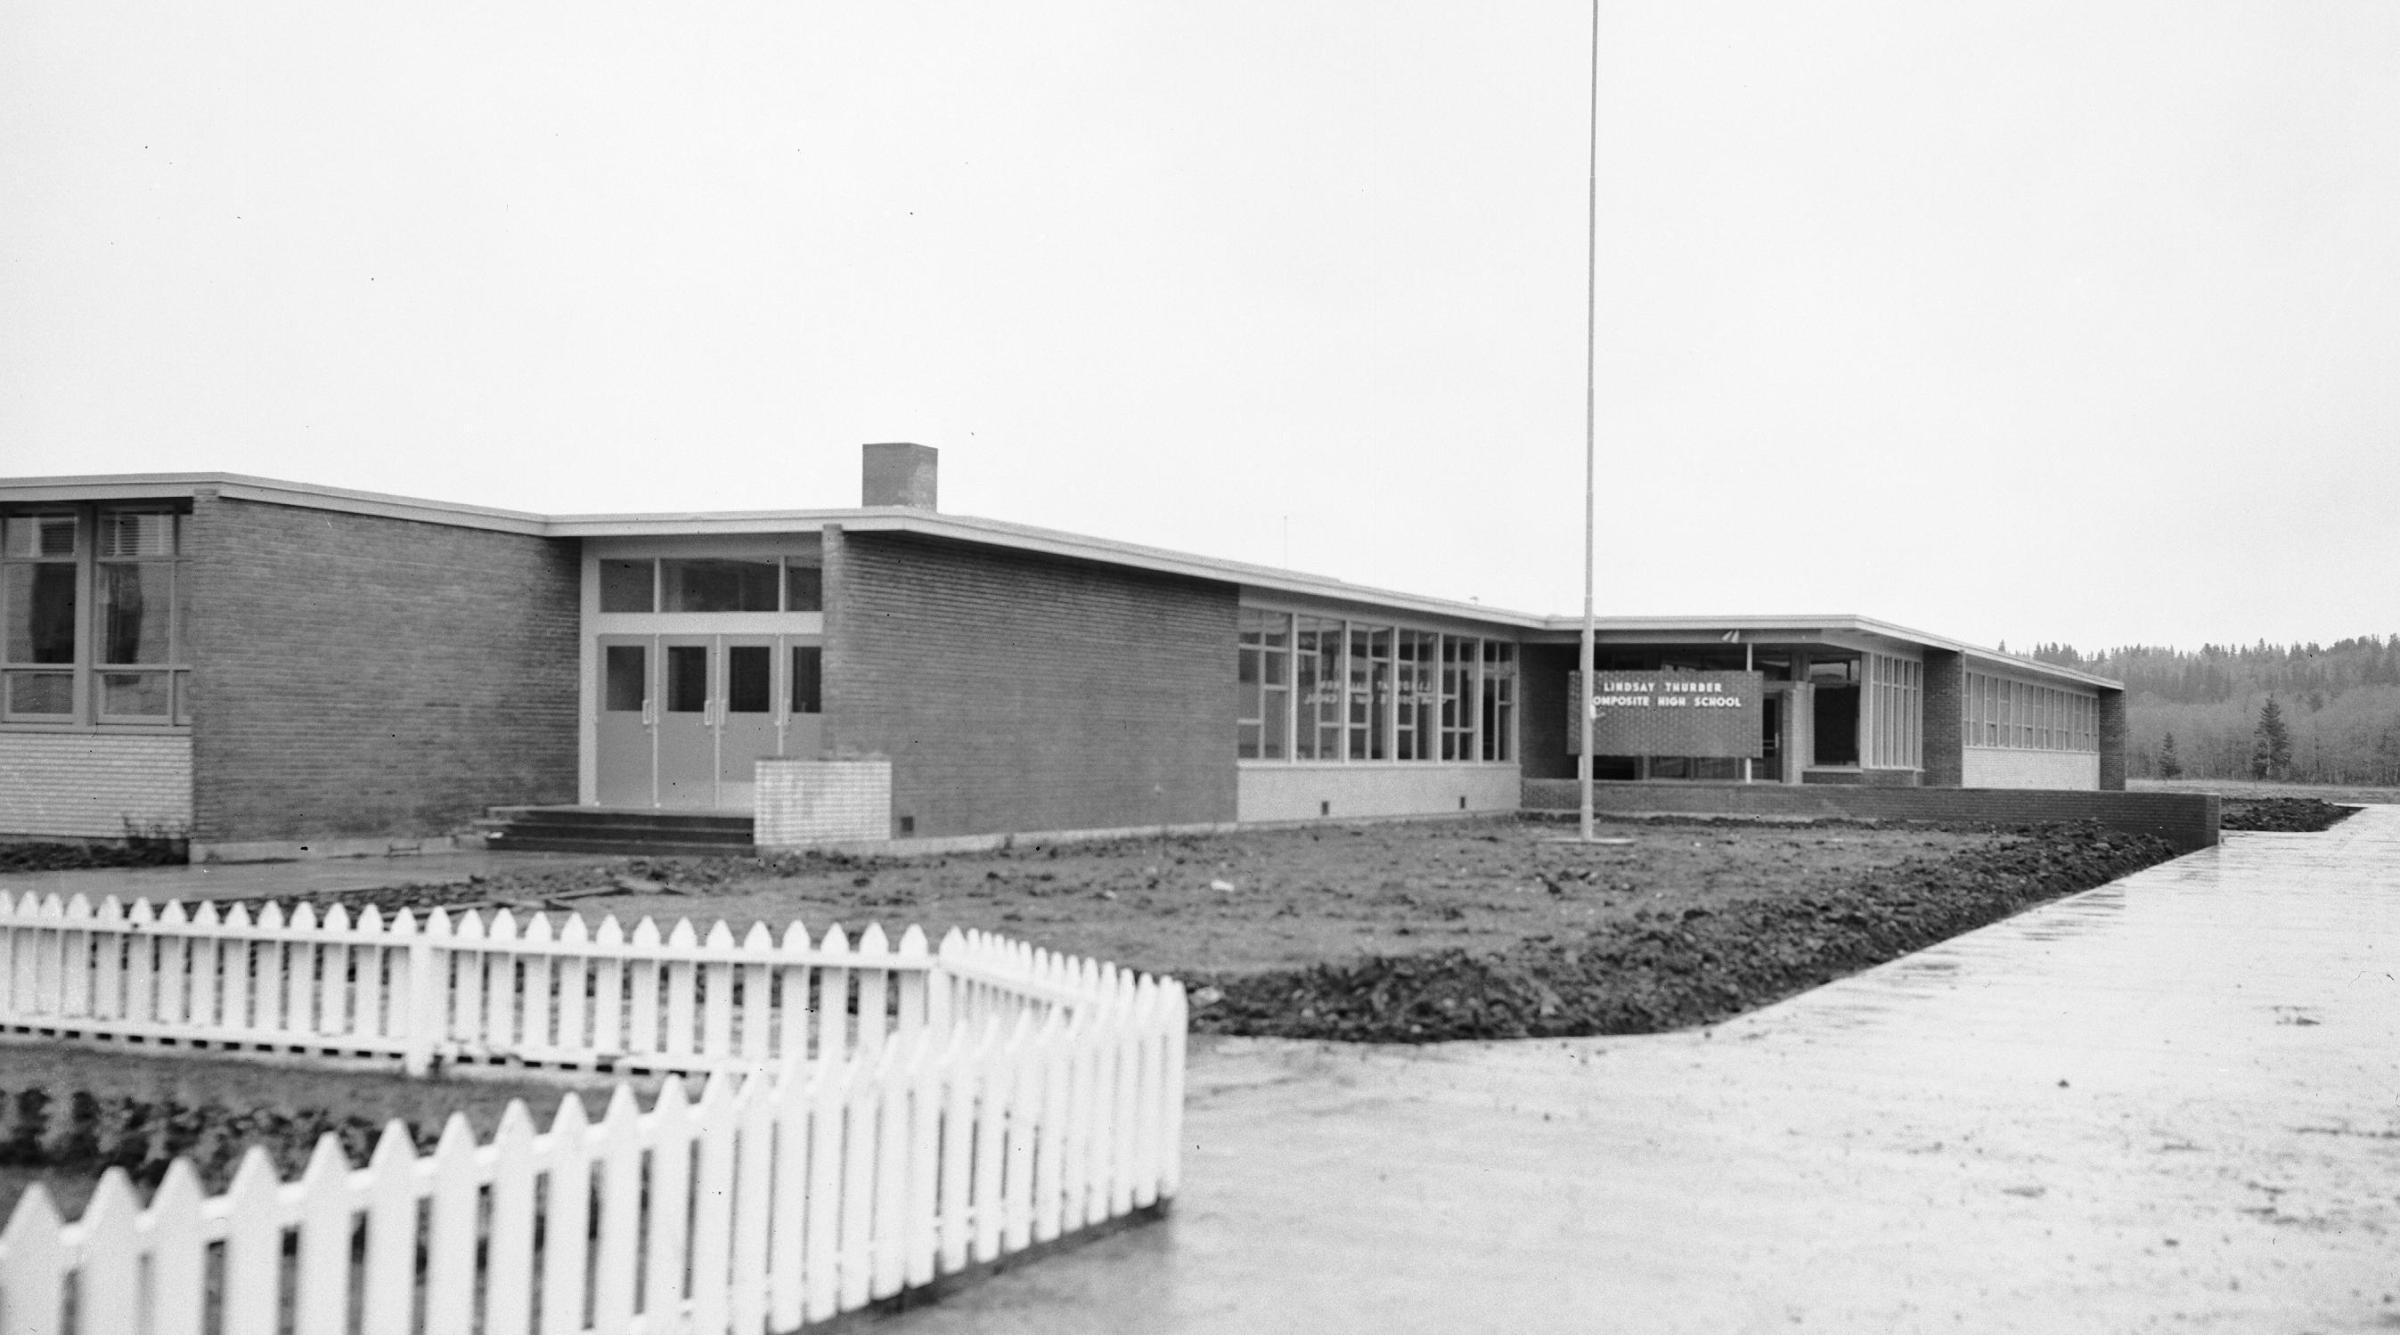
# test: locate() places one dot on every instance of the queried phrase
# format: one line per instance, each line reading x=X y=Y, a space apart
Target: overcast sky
x=2023 y=321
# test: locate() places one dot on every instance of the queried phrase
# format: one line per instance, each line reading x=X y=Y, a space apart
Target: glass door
x=627 y=741
x=684 y=719
x=746 y=717
x=687 y=732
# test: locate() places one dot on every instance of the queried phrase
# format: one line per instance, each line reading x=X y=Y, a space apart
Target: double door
x=684 y=719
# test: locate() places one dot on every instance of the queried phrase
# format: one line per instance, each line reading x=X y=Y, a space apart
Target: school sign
x=1714 y=714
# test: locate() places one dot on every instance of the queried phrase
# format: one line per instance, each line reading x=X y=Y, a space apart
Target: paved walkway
x=2170 y=1103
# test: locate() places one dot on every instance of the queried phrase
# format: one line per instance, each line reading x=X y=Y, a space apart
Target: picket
x=717 y=1135
x=828 y=1090
x=716 y=1023
x=33 y=1266
x=253 y=1245
x=833 y=999
x=670 y=1199
x=334 y=961
x=681 y=998
x=321 y=1293
x=450 y=1235
x=111 y=1276
x=754 y=1175
x=534 y=1042
x=508 y=1270
x=389 y=1303
x=954 y=1107
x=575 y=981
x=500 y=985
x=178 y=1253
x=566 y=1201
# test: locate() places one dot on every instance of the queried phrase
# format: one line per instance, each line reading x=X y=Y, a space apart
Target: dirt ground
x=245 y=1101
x=2232 y=789
x=1250 y=902
x=1383 y=932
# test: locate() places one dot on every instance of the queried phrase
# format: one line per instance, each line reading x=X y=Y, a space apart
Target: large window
x=1325 y=688
x=2023 y=715
x=91 y=623
x=1895 y=712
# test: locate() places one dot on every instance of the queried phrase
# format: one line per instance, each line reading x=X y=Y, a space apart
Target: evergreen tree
x=2170 y=765
x=2271 y=746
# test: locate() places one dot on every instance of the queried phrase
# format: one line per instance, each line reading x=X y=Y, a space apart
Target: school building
x=273 y=668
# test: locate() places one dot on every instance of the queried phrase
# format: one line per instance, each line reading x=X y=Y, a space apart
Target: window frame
x=88 y=690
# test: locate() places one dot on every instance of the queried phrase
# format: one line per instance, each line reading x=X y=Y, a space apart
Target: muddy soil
x=1254 y=901
x=1394 y=933
x=1662 y=968
x=33 y=855
x=69 y=1111
x=2291 y=815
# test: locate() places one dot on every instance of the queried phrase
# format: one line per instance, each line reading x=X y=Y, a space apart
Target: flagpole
x=1591 y=304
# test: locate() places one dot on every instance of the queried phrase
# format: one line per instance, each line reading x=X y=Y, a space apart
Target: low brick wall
x=2186 y=820
x=81 y=785
x=802 y=802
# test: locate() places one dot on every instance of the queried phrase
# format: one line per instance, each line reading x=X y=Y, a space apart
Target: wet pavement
x=2169 y=1103
x=249 y=880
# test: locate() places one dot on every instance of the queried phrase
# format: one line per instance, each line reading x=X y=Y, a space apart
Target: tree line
x=2310 y=713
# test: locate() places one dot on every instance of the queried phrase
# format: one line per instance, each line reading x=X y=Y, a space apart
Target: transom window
x=712 y=584
x=91 y=621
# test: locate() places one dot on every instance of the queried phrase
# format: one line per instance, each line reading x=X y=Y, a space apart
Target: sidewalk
x=2169 y=1103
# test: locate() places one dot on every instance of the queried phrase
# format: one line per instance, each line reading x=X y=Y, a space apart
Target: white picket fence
x=873 y=1119
x=464 y=989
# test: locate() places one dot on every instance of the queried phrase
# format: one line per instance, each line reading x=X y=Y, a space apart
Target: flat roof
x=990 y=532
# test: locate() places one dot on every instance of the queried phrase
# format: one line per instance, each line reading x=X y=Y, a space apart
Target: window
x=808 y=679
x=629 y=586
x=1417 y=659
x=1499 y=700
x=90 y=623
x=2025 y=715
x=1459 y=693
x=1370 y=691
x=1317 y=657
x=1264 y=714
x=717 y=584
x=1895 y=688
x=803 y=586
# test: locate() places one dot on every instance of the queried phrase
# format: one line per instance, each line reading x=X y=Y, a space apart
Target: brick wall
x=358 y=676
x=2186 y=820
x=1945 y=740
x=1546 y=709
x=2112 y=741
x=1013 y=691
x=2021 y=767
x=94 y=785
x=803 y=802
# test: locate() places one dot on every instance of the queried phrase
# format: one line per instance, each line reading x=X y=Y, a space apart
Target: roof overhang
x=1267 y=582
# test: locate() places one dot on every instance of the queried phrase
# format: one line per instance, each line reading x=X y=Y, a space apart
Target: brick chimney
x=900 y=474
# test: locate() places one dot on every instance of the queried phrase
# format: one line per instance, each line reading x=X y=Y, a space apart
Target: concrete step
x=621 y=830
